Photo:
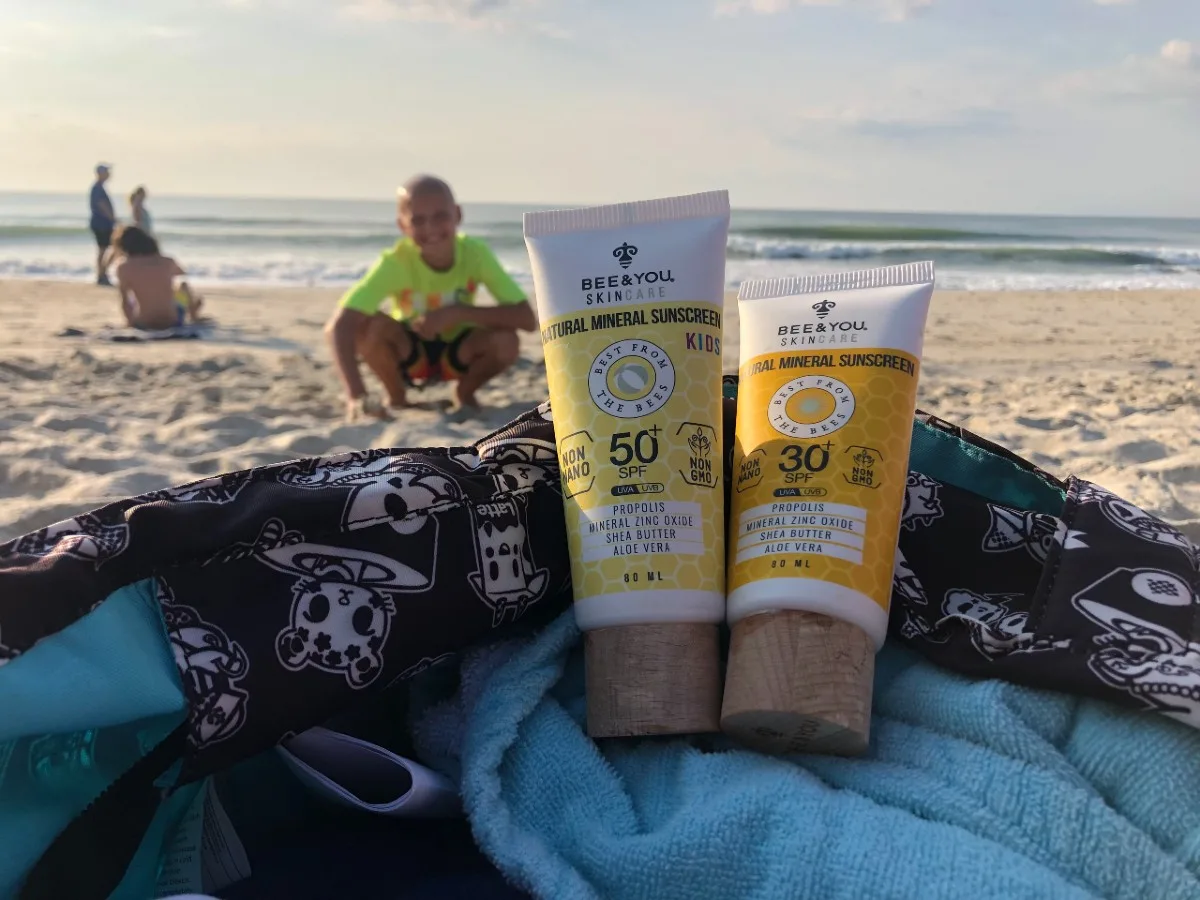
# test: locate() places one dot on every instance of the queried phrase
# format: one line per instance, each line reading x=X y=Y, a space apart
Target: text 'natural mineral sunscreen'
x=827 y=392
x=630 y=298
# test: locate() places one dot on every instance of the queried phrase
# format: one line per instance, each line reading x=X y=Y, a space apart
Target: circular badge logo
x=631 y=378
x=811 y=406
x=1162 y=587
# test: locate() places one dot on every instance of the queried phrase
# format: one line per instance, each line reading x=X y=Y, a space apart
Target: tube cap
x=653 y=680
x=799 y=682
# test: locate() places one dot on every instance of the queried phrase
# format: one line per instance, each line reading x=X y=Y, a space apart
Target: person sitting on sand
x=146 y=284
x=432 y=328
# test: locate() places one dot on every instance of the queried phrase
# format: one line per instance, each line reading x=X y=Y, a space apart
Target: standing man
x=102 y=223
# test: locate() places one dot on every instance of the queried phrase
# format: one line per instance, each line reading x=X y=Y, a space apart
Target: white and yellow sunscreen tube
x=630 y=298
x=826 y=396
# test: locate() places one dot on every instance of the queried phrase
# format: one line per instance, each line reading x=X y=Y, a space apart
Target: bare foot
x=463 y=409
x=424 y=405
x=365 y=407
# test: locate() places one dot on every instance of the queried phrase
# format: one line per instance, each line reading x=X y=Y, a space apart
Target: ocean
x=330 y=243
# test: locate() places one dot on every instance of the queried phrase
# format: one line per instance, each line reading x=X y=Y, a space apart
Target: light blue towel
x=970 y=789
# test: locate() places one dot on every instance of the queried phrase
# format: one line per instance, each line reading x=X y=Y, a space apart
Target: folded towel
x=970 y=789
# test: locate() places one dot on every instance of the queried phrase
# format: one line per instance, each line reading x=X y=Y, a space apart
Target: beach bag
x=161 y=639
x=1004 y=571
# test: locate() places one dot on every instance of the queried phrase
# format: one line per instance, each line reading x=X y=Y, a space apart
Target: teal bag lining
x=951 y=460
x=76 y=711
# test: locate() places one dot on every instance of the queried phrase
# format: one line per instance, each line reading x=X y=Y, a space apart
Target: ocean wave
x=18 y=232
x=877 y=233
x=273 y=233
x=263 y=237
x=959 y=254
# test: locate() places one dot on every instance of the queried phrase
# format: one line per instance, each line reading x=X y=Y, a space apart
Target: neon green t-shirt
x=401 y=279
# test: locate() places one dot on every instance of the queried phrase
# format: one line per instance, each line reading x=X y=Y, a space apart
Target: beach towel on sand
x=976 y=789
x=252 y=605
x=189 y=331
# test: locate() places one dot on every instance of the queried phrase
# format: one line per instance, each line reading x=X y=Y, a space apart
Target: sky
x=1007 y=106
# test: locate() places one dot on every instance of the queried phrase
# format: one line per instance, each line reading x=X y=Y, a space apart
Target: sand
x=1101 y=385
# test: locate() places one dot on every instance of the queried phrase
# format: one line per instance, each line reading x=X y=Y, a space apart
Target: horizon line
x=534 y=205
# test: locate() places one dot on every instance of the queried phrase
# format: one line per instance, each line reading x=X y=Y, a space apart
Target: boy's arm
x=354 y=311
x=513 y=312
x=514 y=309
x=511 y=316
x=342 y=333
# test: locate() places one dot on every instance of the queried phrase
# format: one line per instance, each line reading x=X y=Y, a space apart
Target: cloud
x=1172 y=74
x=1115 y=2
x=889 y=10
x=970 y=98
x=898 y=125
x=1179 y=53
x=468 y=13
x=484 y=15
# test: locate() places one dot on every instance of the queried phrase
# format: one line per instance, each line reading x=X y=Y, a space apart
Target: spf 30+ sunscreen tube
x=630 y=298
x=827 y=392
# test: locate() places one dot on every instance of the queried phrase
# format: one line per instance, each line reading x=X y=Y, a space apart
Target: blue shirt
x=101 y=219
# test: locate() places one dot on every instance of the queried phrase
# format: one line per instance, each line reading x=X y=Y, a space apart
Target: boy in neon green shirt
x=413 y=317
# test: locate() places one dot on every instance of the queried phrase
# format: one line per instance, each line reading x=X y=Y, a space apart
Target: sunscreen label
x=637 y=415
x=820 y=466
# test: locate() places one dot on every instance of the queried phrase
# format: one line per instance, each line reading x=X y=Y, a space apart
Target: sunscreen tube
x=827 y=392
x=630 y=298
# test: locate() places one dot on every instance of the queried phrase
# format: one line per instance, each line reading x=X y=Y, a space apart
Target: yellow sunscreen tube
x=827 y=391
x=630 y=298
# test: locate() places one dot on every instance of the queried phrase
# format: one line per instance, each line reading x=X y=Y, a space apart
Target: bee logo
x=625 y=254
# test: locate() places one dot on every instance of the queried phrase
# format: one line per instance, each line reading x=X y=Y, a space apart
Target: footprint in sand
x=1139 y=452
x=1047 y=424
x=99 y=465
x=12 y=371
x=310 y=445
x=1178 y=472
x=18 y=479
x=55 y=422
x=204 y=466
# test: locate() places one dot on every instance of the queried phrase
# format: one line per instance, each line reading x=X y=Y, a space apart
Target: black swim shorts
x=103 y=236
x=434 y=360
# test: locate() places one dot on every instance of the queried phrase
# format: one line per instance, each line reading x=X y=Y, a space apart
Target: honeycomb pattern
x=881 y=424
x=696 y=399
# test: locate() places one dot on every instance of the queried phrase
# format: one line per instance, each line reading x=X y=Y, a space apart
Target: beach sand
x=1101 y=385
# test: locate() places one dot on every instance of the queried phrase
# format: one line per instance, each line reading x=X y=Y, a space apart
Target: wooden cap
x=799 y=683
x=653 y=679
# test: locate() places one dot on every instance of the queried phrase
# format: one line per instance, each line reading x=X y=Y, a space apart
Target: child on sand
x=146 y=284
x=431 y=327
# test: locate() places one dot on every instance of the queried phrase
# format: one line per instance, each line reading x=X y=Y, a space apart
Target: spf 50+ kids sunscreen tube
x=630 y=298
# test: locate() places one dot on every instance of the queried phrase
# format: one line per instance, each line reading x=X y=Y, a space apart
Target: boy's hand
x=434 y=322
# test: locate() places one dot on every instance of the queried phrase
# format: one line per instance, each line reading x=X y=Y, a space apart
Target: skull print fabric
x=290 y=591
x=1102 y=600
